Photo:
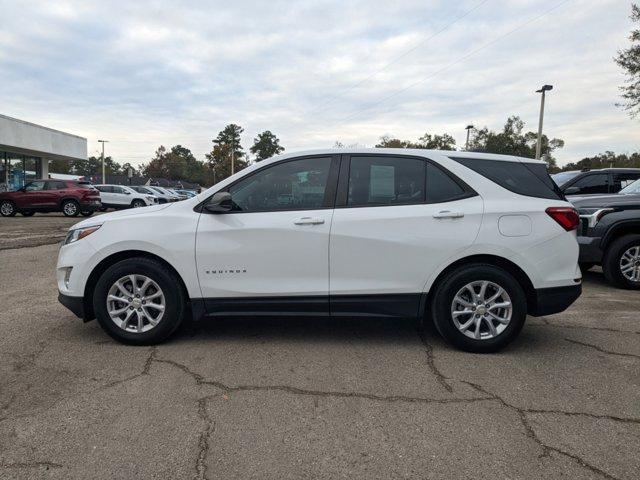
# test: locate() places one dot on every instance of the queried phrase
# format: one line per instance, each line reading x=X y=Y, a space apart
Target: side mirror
x=571 y=190
x=219 y=203
x=127 y=193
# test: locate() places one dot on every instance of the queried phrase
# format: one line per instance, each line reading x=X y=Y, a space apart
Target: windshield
x=631 y=188
x=563 y=177
x=157 y=190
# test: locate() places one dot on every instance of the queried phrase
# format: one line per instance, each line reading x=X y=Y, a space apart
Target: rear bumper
x=548 y=301
x=590 y=251
x=75 y=304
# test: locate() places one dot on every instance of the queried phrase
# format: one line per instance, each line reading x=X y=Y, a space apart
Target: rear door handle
x=448 y=214
x=308 y=221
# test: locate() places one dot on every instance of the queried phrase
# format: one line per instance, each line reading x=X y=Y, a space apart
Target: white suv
x=474 y=242
x=121 y=196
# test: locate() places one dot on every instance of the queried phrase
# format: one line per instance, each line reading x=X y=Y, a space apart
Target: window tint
x=386 y=181
x=441 y=187
x=56 y=185
x=594 y=183
x=563 y=177
x=294 y=185
x=528 y=179
x=621 y=180
x=105 y=188
x=34 y=186
x=117 y=189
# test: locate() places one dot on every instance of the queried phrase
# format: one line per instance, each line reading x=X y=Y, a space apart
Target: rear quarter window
x=529 y=179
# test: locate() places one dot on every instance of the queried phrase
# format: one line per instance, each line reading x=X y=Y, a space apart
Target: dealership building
x=26 y=150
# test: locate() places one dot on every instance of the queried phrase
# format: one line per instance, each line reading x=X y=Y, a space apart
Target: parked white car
x=121 y=196
x=473 y=241
x=163 y=195
x=146 y=191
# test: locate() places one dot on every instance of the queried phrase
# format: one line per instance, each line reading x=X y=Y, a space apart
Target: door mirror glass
x=220 y=203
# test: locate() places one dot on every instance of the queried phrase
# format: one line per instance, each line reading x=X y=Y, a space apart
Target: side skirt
x=409 y=305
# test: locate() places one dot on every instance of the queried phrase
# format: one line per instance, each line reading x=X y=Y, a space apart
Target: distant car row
x=75 y=197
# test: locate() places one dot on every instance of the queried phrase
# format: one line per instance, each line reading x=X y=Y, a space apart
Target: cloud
x=148 y=73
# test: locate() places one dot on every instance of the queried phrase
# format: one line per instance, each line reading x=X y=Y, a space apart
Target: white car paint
x=372 y=250
x=121 y=196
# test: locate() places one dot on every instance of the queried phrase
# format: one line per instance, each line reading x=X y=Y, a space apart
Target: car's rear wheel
x=70 y=208
x=27 y=213
x=621 y=263
x=479 y=308
x=7 y=208
x=138 y=204
x=138 y=301
x=86 y=213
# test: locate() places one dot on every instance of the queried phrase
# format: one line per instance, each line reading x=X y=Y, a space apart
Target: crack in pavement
x=46 y=465
x=145 y=369
x=442 y=380
x=203 y=441
x=578 y=327
x=602 y=350
x=530 y=432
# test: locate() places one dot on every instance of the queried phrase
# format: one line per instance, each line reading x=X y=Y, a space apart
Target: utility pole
x=468 y=128
x=102 y=158
x=543 y=90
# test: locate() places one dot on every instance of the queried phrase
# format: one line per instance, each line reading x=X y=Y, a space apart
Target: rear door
x=397 y=218
x=622 y=179
x=53 y=192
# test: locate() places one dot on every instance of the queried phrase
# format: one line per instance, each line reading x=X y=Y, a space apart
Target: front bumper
x=75 y=304
x=590 y=251
x=547 y=301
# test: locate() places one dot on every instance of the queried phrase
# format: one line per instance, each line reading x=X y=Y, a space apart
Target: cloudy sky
x=141 y=74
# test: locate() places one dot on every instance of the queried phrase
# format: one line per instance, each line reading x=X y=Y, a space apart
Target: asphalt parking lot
x=298 y=398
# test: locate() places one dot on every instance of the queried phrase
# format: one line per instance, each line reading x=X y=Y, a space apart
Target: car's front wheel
x=138 y=301
x=138 y=204
x=621 y=263
x=70 y=208
x=7 y=208
x=479 y=308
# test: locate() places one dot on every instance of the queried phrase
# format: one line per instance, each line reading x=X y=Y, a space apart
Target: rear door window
x=442 y=187
x=621 y=180
x=56 y=186
x=530 y=179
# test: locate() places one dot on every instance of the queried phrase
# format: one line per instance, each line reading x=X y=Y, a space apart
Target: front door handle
x=448 y=214
x=308 y=221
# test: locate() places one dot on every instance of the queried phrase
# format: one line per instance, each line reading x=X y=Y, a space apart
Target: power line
x=460 y=59
x=398 y=58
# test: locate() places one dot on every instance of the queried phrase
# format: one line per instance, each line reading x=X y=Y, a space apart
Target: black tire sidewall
x=449 y=287
x=170 y=286
x=86 y=214
x=27 y=213
x=611 y=263
x=14 y=211
x=66 y=202
x=137 y=204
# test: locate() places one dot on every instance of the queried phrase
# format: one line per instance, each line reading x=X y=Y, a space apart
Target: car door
x=105 y=194
x=622 y=179
x=120 y=196
x=269 y=254
x=33 y=196
x=397 y=219
x=53 y=192
x=591 y=184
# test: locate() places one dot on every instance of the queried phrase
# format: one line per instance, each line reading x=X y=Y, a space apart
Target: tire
x=162 y=279
x=27 y=213
x=70 y=208
x=453 y=285
x=138 y=203
x=87 y=213
x=623 y=252
x=8 y=208
x=585 y=267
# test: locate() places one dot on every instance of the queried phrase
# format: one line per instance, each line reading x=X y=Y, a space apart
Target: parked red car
x=66 y=196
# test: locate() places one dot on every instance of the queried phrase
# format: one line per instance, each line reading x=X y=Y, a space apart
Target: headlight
x=79 y=233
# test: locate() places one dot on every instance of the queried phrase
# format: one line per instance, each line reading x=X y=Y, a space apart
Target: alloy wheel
x=7 y=208
x=630 y=264
x=70 y=208
x=481 y=310
x=136 y=303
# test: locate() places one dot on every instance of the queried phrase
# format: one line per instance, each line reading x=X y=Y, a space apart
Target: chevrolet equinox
x=473 y=242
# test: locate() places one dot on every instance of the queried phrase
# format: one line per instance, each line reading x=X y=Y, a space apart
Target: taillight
x=566 y=217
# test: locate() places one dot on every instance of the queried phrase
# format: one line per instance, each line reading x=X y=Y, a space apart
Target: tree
x=219 y=159
x=177 y=164
x=266 y=145
x=512 y=141
x=92 y=166
x=629 y=60
x=605 y=160
x=427 y=141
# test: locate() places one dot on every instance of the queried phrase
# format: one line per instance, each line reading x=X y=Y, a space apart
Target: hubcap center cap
x=136 y=303
x=481 y=310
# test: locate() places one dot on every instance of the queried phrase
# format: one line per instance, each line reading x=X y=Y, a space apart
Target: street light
x=468 y=128
x=102 y=158
x=543 y=90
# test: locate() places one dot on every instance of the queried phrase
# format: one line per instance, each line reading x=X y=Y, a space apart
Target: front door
x=34 y=195
x=270 y=253
x=397 y=219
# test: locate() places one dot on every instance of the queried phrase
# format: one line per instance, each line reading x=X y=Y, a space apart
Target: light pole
x=102 y=158
x=468 y=128
x=543 y=90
